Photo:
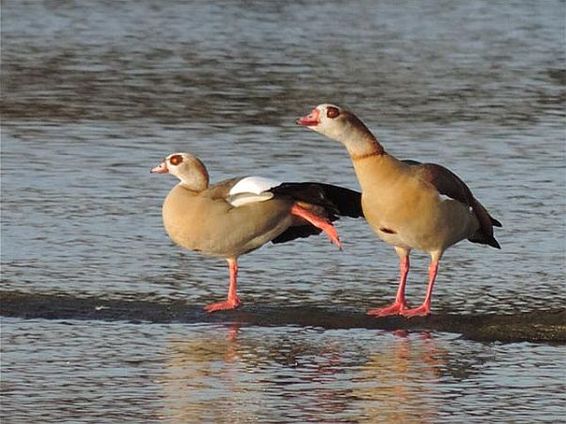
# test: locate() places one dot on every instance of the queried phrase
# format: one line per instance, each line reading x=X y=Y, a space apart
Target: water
x=96 y=93
x=179 y=373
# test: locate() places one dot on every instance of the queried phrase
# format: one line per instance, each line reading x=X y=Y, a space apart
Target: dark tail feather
x=336 y=200
x=484 y=235
x=495 y=222
x=483 y=239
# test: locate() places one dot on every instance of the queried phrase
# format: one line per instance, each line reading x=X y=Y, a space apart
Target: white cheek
x=172 y=169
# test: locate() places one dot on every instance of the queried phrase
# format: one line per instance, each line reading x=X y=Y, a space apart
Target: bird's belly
x=394 y=239
x=224 y=244
x=224 y=231
x=435 y=228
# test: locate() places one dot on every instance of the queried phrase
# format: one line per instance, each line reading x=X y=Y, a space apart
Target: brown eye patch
x=332 y=112
x=176 y=160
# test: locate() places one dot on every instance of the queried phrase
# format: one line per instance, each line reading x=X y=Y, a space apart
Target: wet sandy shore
x=547 y=326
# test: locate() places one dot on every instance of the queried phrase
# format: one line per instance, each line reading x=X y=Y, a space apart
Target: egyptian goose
x=239 y=215
x=408 y=204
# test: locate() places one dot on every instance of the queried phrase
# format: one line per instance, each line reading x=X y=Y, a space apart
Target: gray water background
x=96 y=93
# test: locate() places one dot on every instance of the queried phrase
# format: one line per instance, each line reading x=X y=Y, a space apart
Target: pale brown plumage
x=234 y=217
x=403 y=200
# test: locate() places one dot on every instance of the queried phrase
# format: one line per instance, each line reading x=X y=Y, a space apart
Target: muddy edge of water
x=536 y=326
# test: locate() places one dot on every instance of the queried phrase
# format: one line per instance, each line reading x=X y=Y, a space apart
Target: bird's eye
x=175 y=160
x=332 y=112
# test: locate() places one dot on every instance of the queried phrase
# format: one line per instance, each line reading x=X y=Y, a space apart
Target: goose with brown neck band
x=407 y=204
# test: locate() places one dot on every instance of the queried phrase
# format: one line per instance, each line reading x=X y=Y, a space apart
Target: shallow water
x=217 y=373
x=95 y=94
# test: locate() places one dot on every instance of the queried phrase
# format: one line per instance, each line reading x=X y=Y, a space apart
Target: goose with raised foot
x=239 y=215
x=407 y=204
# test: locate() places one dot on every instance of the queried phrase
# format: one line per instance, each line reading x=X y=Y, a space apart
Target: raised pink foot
x=319 y=222
x=393 y=309
x=223 y=306
x=332 y=234
x=421 y=311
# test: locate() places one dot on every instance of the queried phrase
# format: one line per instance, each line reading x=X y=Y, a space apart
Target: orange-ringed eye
x=332 y=112
x=176 y=160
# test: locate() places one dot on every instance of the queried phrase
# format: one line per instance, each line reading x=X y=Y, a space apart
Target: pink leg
x=232 y=301
x=319 y=222
x=424 y=309
x=400 y=303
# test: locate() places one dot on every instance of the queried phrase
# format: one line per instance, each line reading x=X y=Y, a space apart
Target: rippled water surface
x=96 y=93
x=180 y=373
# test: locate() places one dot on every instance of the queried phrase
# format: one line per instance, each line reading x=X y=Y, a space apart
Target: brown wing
x=449 y=184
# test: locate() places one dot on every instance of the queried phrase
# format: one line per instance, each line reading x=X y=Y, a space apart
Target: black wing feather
x=336 y=201
x=292 y=233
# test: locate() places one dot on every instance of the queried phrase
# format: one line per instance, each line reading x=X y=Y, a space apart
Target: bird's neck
x=360 y=149
x=376 y=172
x=371 y=162
x=195 y=182
x=359 y=141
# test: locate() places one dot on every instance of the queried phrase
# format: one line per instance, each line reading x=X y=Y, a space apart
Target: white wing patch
x=251 y=190
x=255 y=185
x=444 y=197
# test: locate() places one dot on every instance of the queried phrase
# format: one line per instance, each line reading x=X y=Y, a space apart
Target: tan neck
x=376 y=170
x=194 y=176
x=195 y=182
x=355 y=136
x=368 y=154
x=360 y=142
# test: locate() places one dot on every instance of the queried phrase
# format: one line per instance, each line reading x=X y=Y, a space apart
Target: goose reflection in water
x=301 y=375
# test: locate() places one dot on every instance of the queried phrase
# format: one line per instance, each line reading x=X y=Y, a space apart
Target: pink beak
x=160 y=169
x=310 y=120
